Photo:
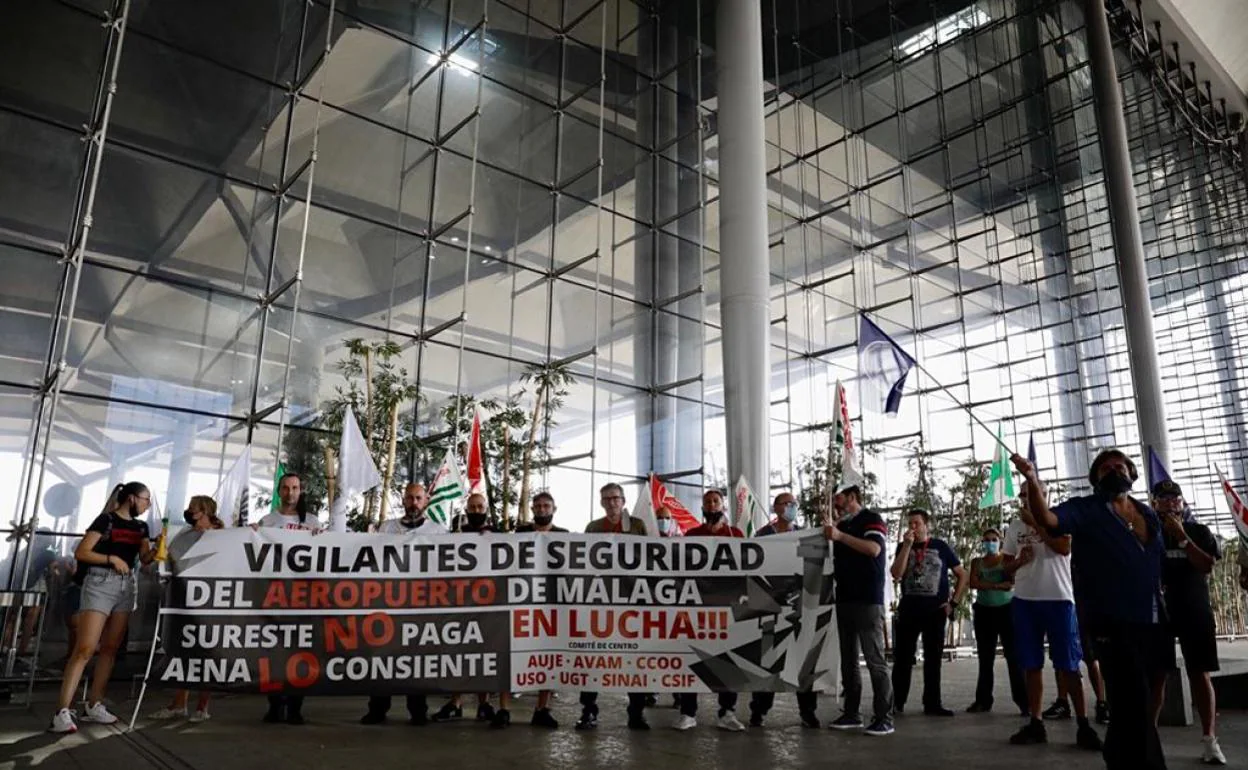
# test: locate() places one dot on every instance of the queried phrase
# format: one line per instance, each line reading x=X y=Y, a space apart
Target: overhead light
x=943 y=31
x=487 y=248
x=461 y=64
x=454 y=239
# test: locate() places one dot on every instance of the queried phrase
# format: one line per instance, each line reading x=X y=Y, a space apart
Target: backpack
x=80 y=569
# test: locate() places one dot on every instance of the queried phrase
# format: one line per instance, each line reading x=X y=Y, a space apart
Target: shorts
x=1034 y=620
x=107 y=591
x=1198 y=639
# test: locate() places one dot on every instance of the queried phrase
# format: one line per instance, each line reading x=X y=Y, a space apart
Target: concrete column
x=1128 y=245
x=743 y=239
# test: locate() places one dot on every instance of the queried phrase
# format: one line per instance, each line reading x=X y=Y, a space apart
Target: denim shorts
x=107 y=591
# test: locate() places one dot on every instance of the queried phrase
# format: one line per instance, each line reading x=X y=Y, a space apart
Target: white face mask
x=665 y=526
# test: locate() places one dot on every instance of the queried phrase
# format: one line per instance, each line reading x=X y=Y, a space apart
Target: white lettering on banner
x=345 y=614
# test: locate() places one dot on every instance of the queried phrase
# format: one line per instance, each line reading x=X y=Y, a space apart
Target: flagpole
x=996 y=438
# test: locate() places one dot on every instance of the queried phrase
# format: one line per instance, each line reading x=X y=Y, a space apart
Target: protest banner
x=275 y=611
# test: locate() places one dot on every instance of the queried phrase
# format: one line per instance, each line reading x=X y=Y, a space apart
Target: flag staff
x=995 y=436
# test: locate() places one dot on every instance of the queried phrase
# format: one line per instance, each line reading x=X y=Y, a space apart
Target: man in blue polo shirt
x=1117 y=548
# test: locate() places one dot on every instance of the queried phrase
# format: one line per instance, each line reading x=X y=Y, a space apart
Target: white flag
x=644 y=510
x=234 y=495
x=843 y=437
x=748 y=513
x=357 y=473
x=447 y=488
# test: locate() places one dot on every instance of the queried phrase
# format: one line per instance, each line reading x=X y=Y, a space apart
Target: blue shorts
x=1035 y=620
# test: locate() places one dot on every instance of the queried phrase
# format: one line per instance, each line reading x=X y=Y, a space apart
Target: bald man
x=412 y=522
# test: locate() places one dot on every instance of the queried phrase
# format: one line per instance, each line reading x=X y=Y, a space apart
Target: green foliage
x=812 y=475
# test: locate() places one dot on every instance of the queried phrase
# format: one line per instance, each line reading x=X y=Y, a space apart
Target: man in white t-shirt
x=1044 y=606
x=292 y=511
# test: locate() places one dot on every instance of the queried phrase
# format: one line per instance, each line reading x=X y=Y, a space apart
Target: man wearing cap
x=1191 y=550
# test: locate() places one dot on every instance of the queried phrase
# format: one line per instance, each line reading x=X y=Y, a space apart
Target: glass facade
x=497 y=184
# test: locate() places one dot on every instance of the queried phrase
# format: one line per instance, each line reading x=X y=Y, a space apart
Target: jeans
x=689 y=703
x=636 y=704
x=915 y=619
x=762 y=702
x=991 y=624
x=417 y=705
x=862 y=626
x=1130 y=655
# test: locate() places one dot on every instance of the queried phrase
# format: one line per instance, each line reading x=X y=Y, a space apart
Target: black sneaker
x=543 y=718
x=809 y=720
x=1031 y=734
x=419 y=720
x=879 y=727
x=273 y=716
x=651 y=701
x=588 y=720
x=1086 y=737
x=937 y=711
x=636 y=723
x=447 y=713
x=846 y=722
x=899 y=709
x=1102 y=712
x=372 y=718
x=756 y=719
x=978 y=708
x=500 y=718
x=1059 y=710
x=485 y=713
x=294 y=718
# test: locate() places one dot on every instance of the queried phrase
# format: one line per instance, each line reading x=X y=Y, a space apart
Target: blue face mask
x=790 y=512
x=991 y=547
x=665 y=526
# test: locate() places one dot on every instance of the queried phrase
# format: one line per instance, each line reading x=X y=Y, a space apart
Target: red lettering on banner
x=338 y=634
x=266 y=678
x=437 y=594
x=483 y=591
x=378 y=629
x=308 y=661
x=654 y=624
x=346 y=595
x=574 y=627
x=318 y=596
x=299 y=593
x=629 y=630
x=275 y=597
x=372 y=592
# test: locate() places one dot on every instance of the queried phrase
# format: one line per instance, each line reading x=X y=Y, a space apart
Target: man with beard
x=611 y=497
x=543 y=521
x=412 y=522
x=714 y=524
x=1117 y=547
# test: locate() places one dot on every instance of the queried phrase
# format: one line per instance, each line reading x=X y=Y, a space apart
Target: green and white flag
x=748 y=513
x=1000 y=478
x=448 y=487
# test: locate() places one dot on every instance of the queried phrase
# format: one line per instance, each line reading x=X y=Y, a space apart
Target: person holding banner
x=785 y=509
x=666 y=522
x=1118 y=549
x=714 y=524
x=543 y=506
x=292 y=513
x=412 y=522
x=1191 y=552
x=476 y=521
x=110 y=552
x=201 y=515
x=613 y=521
x=923 y=564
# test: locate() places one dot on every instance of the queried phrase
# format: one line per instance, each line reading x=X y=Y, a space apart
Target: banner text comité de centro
x=276 y=611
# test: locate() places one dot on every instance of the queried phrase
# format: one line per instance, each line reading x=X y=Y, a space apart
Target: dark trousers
x=917 y=619
x=416 y=705
x=762 y=702
x=286 y=704
x=860 y=628
x=993 y=624
x=689 y=703
x=636 y=703
x=1129 y=656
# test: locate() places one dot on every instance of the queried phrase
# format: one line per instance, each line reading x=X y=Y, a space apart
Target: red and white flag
x=1239 y=512
x=476 y=465
x=661 y=498
x=843 y=438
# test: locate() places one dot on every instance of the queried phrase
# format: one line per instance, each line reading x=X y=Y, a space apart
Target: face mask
x=543 y=520
x=991 y=547
x=476 y=520
x=712 y=517
x=790 y=512
x=190 y=518
x=410 y=520
x=665 y=526
x=1112 y=484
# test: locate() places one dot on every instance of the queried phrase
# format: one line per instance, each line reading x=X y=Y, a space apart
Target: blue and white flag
x=1157 y=472
x=882 y=366
x=1031 y=451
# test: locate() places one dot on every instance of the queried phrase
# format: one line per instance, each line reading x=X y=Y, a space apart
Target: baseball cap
x=1167 y=488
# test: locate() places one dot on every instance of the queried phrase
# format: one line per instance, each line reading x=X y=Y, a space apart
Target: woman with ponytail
x=114 y=546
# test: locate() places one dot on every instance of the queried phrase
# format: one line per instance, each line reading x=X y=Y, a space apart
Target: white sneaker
x=729 y=721
x=201 y=715
x=1212 y=754
x=685 y=723
x=63 y=722
x=168 y=713
x=96 y=712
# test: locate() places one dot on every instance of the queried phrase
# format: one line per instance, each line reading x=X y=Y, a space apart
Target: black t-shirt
x=860 y=578
x=119 y=537
x=1186 y=588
